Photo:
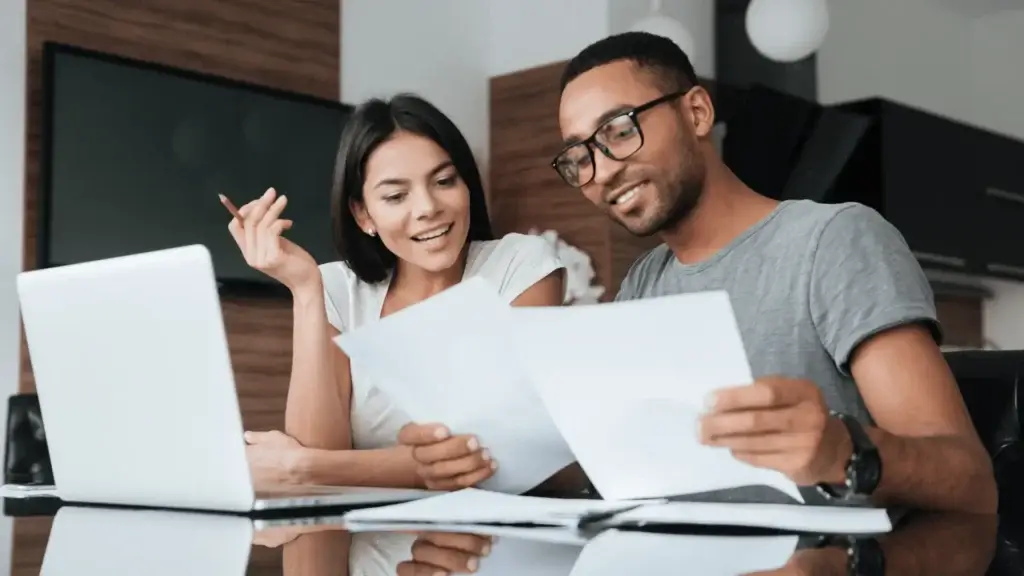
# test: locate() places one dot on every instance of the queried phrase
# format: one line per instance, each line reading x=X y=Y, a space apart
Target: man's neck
x=727 y=208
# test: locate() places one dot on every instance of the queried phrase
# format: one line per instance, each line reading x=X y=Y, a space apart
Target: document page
x=450 y=359
x=626 y=383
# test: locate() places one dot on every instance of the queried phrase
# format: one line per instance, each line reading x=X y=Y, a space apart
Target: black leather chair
x=992 y=384
x=27 y=458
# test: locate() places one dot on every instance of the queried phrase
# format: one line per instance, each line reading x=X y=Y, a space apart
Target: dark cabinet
x=999 y=162
x=916 y=169
x=927 y=183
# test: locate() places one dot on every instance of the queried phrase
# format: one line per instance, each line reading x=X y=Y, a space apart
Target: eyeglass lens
x=618 y=139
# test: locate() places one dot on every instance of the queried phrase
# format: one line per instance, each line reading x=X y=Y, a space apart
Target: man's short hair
x=663 y=59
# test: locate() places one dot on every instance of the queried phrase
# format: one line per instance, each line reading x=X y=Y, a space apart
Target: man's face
x=655 y=187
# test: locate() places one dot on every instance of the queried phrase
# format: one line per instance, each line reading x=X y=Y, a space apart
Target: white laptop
x=135 y=383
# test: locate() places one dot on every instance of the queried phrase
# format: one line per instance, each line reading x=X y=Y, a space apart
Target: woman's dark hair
x=373 y=123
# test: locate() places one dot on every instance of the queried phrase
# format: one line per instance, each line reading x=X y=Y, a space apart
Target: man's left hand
x=782 y=424
x=273 y=458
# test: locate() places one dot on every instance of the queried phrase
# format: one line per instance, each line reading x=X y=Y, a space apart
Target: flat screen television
x=134 y=155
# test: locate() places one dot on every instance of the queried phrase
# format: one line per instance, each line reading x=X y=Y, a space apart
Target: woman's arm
x=386 y=468
x=320 y=389
x=319 y=408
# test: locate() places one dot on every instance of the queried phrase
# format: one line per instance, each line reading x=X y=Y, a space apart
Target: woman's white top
x=513 y=264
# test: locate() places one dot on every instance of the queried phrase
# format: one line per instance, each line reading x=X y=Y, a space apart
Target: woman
x=409 y=221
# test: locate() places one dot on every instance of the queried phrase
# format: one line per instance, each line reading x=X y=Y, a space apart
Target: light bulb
x=787 y=30
x=670 y=28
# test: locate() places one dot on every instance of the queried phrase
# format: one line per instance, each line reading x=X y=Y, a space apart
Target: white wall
x=951 y=62
x=528 y=33
x=12 y=209
x=437 y=49
x=447 y=50
x=698 y=16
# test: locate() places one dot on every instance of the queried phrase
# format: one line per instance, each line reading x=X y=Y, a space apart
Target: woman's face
x=416 y=202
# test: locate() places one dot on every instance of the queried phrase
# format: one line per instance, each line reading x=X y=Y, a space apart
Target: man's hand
x=444 y=461
x=782 y=424
x=435 y=553
x=273 y=458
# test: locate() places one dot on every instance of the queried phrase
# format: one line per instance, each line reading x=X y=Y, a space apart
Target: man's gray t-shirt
x=808 y=284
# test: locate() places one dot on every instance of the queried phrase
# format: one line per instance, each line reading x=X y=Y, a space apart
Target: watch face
x=866 y=472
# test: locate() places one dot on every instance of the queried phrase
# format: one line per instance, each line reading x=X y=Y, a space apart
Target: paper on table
x=786 y=517
x=473 y=506
x=449 y=359
x=618 y=552
x=626 y=382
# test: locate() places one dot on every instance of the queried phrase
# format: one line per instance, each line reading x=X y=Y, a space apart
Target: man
x=835 y=312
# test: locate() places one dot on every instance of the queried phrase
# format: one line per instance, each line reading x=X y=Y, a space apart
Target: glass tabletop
x=114 y=541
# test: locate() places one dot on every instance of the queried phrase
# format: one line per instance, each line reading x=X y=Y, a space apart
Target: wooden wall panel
x=961 y=318
x=525 y=192
x=287 y=44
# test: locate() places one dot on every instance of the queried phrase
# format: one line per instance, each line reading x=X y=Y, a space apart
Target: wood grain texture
x=526 y=193
x=962 y=320
x=286 y=44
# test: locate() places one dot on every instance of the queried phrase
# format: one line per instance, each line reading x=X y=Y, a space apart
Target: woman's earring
x=371 y=231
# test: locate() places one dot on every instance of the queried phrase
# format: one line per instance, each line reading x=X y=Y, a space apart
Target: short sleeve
x=628 y=289
x=339 y=285
x=519 y=261
x=865 y=280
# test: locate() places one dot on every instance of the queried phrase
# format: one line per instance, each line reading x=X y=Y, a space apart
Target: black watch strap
x=865 y=557
x=864 y=468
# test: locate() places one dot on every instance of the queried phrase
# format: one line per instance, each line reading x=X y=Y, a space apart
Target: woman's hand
x=444 y=461
x=274 y=458
x=445 y=553
x=258 y=235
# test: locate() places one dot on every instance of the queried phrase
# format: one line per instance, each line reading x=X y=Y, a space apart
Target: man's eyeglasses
x=617 y=138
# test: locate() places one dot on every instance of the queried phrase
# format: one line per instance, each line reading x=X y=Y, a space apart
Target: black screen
x=135 y=156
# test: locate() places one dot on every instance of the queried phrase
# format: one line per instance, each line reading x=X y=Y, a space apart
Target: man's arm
x=875 y=313
x=931 y=455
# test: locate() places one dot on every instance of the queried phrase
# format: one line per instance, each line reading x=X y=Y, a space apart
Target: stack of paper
x=473 y=506
x=480 y=507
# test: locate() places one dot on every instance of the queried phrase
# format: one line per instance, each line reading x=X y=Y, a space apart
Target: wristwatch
x=863 y=469
x=865 y=557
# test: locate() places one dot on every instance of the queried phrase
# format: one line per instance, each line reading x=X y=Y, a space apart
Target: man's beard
x=687 y=189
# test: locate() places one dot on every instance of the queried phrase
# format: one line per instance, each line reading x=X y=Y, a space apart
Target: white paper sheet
x=616 y=552
x=626 y=382
x=473 y=506
x=449 y=359
x=786 y=517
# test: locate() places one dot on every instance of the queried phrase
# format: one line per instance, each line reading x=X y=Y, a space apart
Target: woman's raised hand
x=257 y=228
